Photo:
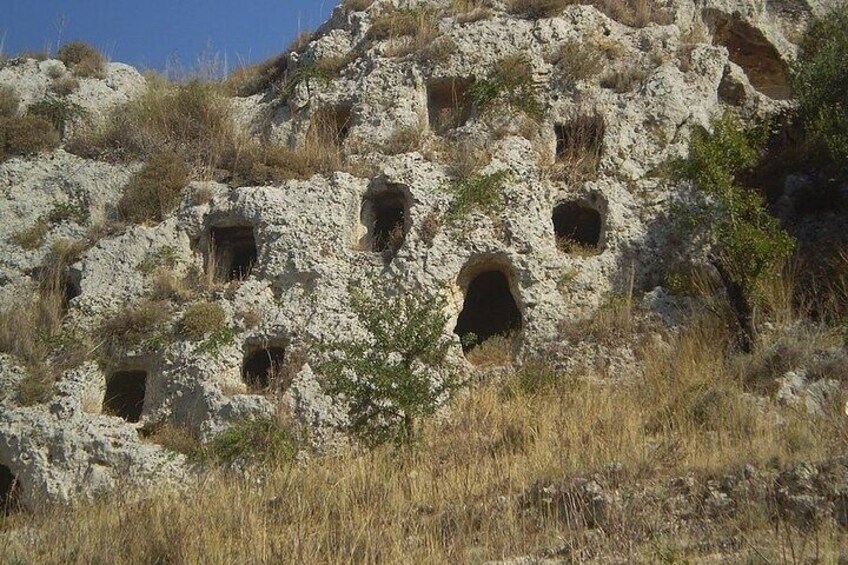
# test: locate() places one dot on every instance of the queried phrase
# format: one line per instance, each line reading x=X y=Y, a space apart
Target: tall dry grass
x=460 y=495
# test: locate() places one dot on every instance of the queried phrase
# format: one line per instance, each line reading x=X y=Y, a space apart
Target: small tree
x=746 y=242
x=397 y=375
x=818 y=79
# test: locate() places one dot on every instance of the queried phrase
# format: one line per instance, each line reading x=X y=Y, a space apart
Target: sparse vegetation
x=634 y=13
x=202 y=319
x=477 y=193
x=577 y=60
x=252 y=442
x=83 y=60
x=510 y=84
x=747 y=242
x=140 y=325
x=9 y=102
x=357 y=5
x=26 y=136
x=33 y=236
x=64 y=86
x=538 y=9
x=153 y=192
x=58 y=112
x=399 y=374
x=408 y=30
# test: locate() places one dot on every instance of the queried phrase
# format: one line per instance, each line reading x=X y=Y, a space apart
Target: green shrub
x=481 y=193
x=83 y=60
x=9 y=102
x=398 y=374
x=251 y=442
x=819 y=78
x=747 y=243
x=58 y=112
x=154 y=191
x=202 y=319
x=511 y=84
x=25 y=136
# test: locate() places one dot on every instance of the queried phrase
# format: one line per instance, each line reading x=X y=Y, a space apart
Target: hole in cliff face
x=233 y=253
x=448 y=103
x=488 y=310
x=125 y=395
x=331 y=125
x=385 y=215
x=263 y=367
x=577 y=228
x=749 y=48
x=10 y=492
x=580 y=143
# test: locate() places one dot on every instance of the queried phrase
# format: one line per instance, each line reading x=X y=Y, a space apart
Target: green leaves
x=396 y=375
x=818 y=80
x=745 y=237
x=480 y=193
x=510 y=83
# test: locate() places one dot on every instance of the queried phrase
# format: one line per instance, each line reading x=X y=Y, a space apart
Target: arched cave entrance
x=385 y=215
x=448 y=104
x=331 y=125
x=125 y=395
x=577 y=227
x=580 y=142
x=10 y=491
x=751 y=50
x=489 y=309
x=262 y=367
x=234 y=252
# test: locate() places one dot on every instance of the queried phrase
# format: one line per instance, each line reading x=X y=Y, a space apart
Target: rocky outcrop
x=305 y=242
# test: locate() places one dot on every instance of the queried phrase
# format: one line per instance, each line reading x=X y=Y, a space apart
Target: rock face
x=305 y=242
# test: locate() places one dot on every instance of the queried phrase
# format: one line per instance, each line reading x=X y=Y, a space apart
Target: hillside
x=523 y=281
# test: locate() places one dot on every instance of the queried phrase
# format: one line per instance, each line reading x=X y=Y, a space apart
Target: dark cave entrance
x=448 y=104
x=577 y=227
x=263 y=367
x=331 y=125
x=489 y=310
x=385 y=215
x=125 y=395
x=234 y=252
x=10 y=491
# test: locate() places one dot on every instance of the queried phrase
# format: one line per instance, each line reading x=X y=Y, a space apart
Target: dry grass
x=64 y=86
x=153 y=192
x=25 y=136
x=624 y=80
x=9 y=102
x=137 y=325
x=407 y=30
x=470 y=11
x=577 y=60
x=357 y=5
x=404 y=139
x=634 y=13
x=537 y=9
x=83 y=60
x=465 y=493
x=579 y=149
x=32 y=237
x=201 y=319
x=497 y=351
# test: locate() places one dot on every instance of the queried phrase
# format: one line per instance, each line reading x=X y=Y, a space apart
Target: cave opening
x=10 y=491
x=233 y=252
x=489 y=310
x=385 y=215
x=577 y=227
x=264 y=367
x=125 y=395
x=753 y=52
x=449 y=105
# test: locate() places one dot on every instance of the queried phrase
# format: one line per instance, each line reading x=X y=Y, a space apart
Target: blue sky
x=150 y=33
